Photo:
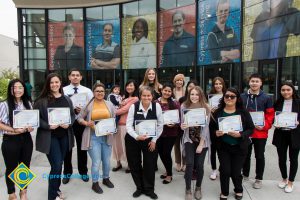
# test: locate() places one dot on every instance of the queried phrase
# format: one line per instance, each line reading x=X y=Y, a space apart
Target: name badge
x=230 y=35
x=183 y=46
x=139 y=113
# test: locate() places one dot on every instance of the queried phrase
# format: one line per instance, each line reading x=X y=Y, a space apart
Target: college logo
x=22 y=176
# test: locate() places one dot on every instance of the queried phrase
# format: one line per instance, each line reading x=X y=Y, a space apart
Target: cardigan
x=123 y=111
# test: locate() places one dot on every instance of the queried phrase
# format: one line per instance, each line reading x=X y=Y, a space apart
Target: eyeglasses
x=229 y=96
x=99 y=91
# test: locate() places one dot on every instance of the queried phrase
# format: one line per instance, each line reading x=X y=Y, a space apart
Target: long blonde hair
x=145 y=82
x=202 y=99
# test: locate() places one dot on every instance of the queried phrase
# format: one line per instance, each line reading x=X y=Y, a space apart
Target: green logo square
x=22 y=176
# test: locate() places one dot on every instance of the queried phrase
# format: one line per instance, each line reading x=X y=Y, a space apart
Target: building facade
x=113 y=41
x=9 y=53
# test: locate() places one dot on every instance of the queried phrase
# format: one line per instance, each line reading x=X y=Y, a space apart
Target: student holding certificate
x=196 y=141
x=138 y=142
x=287 y=138
x=217 y=90
x=256 y=101
x=232 y=146
x=167 y=139
x=17 y=143
x=54 y=140
x=98 y=147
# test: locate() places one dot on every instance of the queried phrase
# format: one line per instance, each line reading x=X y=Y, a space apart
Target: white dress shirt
x=130 y=120
x=69 y=90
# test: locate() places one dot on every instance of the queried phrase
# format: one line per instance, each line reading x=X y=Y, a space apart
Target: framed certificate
x=195 y=117
x=214 y=100
x=258 y=118
x=230 y=123
x=79 y=99
x=105 y=127
x=286 y=119
x=171 y=116
x=57 y=116
x=26 y=118
x=146 y=127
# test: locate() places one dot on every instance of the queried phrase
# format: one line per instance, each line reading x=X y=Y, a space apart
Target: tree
x=6 y=76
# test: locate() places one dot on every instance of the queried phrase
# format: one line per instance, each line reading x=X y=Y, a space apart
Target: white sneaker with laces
x=288 y=189
x=213 y=175
x=282 y=184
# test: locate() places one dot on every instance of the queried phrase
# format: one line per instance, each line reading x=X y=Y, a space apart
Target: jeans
x=164 y=146
x=100 y=151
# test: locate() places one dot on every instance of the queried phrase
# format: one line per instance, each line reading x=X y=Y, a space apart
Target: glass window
x=74 y=15
x=35 y=53
x=35 y=64
x=57 y=15
x=34 y=29
x=167 y=4
x=94 y=13
x=33 y=15
x=147 y=7
x=130 y=9
x=35 y=42
x=111 y=12
x=290 y=71
x=184 y=2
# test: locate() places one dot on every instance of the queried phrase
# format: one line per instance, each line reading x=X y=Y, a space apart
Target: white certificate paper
x=79 y=100
x=286 y=119
x=57 y=116
x=171 y=116
x=230 y=123
x=195 y=117
x=105 y=127
x=214 y=100
x=258 y=118
x=26 y=118
x=146 y=127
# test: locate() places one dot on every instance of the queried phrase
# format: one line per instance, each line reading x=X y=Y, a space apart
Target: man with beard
x=222 y=40
x=107 y=54
x=179 y=49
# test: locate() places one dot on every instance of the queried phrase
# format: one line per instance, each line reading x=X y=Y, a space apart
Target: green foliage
x=6 y=76
x=9 y=74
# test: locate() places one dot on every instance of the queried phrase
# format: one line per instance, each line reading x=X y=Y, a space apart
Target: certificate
x=146 y=127
x=286 y=119
x=57 y=116
x=195 y=117
x=171 y=116
x=79 y=99
x=230 y=123
x=258 y=118
x=105 y=127
x=214 y=100
x=26 y=118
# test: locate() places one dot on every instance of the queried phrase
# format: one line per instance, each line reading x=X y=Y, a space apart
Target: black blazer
x=295 y=133
x=43 y=136
x=247 y=123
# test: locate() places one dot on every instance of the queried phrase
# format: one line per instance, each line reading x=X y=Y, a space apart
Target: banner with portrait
x=102 y=44
x=218 y=31
x=139 y=42
x=271 y=29
x=177 y=43
x=65 y=45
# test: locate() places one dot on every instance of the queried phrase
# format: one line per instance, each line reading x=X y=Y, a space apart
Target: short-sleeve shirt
x=107 y=52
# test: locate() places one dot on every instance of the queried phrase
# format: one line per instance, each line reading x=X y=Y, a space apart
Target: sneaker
x=188 y=195
x=288 y=188
x=108 y=183
x=198 y=194
x=96 y=188
x=282 y=184
x=213 y=175
x=257 y=184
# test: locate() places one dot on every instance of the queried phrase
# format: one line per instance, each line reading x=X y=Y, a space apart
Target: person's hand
x=29 y=129
x=141 y=137
x=259 y=128
x=64 y=126
x=89 y=124
x=199 y=148
x=20 y=130
x=183 y=126
x=77 y=110
x=151 y=146
x=219 y=133
x=234 y=134
x=52 y=127
x=170 y=125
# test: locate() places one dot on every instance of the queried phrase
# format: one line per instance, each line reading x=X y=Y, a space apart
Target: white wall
x=9 y=53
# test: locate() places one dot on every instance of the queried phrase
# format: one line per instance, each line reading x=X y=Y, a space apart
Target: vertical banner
x=65 y=45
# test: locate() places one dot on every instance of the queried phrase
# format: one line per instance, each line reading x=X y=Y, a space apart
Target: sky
x=8 y=19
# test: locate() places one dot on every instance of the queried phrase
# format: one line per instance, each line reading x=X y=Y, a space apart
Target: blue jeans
x=100 y=151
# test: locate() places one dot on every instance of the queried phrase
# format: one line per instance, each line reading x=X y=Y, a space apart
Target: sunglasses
x=229 y=96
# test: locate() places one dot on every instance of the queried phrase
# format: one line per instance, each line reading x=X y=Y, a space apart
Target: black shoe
x=108 y=183
x=163 y=176
x=65 y=180
x=238 y=197
x=96 y=188
x=127 y=171
x=85 y=177
x=167 y=182
x=152 y=195
x=117 y=168
x=137 y=193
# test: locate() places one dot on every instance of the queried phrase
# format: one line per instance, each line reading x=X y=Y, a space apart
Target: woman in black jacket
x=231 y=147
x=285 y=138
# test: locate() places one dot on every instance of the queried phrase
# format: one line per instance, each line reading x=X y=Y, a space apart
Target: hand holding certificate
x=230 y=123
x=26 y=118
x=258 y=118
x=105 y=127
x=58 y=116
x=195 y=117
x=286 y=119
x=146 y=127
x=171 y=117
x=79 y=100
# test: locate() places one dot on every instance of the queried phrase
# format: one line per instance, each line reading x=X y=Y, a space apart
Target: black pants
x=259 y=150
x=164 y=147
x=193 y=159
x=81 y=155
x=231 y=159
x=143 y=176
x=282 y=157
x=213 y=157
x=16 y=149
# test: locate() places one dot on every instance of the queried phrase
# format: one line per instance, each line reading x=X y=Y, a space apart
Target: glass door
x=268 y=71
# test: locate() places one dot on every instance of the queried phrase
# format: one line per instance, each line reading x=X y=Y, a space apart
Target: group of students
x=148 y=102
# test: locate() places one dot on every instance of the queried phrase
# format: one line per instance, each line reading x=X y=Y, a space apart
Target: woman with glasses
x=98 y=147
x=17 y=143
x=232 y=146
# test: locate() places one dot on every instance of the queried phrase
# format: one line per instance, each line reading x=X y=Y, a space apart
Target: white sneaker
x=282 y=184
x=288 y=189
x=213 y=175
